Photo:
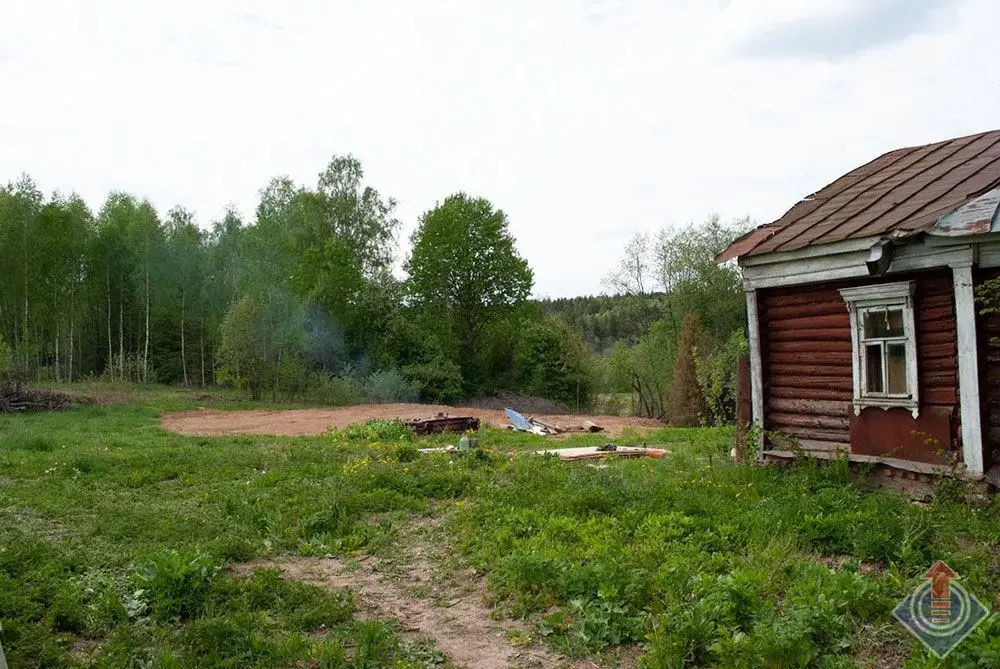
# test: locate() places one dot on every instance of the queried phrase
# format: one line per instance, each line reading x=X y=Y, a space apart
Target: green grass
x=115 y=538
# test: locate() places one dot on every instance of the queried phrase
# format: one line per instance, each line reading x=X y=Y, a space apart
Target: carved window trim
x=883 y=297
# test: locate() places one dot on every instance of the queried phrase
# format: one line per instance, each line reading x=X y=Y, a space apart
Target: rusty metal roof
x=899 y=193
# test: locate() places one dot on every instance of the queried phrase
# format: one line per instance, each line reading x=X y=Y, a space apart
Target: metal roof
x=898 y=194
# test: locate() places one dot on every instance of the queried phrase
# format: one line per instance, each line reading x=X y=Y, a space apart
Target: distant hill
x=603 y=320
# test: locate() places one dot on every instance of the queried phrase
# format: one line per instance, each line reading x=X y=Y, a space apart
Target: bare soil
x=310 y=422
x=431 y=596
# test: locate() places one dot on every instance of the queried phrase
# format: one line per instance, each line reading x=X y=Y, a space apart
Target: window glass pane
x=873 y=368
x=897 y=369
x=887 y=323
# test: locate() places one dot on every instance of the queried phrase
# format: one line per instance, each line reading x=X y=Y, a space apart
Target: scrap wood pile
x=443 y=423
x=598 y=452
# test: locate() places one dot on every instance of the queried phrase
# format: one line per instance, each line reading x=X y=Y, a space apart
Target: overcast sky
x=584 y=120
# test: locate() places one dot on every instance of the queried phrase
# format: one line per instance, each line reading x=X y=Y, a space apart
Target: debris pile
x=535 y=426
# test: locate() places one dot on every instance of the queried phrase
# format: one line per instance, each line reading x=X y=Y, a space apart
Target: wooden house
x=865 y=336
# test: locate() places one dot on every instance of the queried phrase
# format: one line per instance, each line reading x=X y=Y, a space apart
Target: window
x=884 y=342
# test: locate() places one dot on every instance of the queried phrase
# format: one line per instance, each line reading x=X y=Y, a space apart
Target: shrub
x=176 y=584
x=378 y=429
x=390 y=386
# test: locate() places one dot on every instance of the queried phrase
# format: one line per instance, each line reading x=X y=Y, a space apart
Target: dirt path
x=309 y=422
x=429 y=598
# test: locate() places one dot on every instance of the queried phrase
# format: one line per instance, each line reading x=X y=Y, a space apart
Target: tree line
x=683 y=316
x=299 y=301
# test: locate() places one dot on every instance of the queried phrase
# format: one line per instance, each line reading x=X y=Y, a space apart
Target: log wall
x=808 y=374
x=988 y=343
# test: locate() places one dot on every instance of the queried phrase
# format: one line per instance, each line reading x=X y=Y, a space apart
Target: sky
x=584 y=120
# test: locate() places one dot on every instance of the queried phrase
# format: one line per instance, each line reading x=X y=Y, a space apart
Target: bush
x=716 y=375
x=390 y=386
x=332 y=390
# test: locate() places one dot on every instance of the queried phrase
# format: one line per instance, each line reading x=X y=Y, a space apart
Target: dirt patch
x=430 y=596
x=310 y=422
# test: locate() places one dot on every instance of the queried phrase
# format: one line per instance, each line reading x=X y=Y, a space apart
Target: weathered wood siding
x=987 y=334
x=807 y=361
x=806 y=354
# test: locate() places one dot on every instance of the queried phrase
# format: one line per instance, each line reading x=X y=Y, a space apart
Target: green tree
x=551 y=361
x=465 y=274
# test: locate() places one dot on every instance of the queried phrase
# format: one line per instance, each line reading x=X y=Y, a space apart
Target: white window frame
x=875 y=298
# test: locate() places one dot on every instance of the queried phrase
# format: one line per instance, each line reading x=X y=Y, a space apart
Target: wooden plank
x=823 y=334
x=808 y=346
x=810 y=370
x=968 y=369
x=804 y=406
x=821 y=422
x=935 y=314
x=906 y=465
x=842 y=321
x=943 y=336
x=776 y=299
x=939 y=396
x=813 y=444
x=935 y=300
x=837 y=358
x=943 y=379
x=936 y=364
x=791 y=381
x=811 y=308
x=756 y=363
x=925 y=351
x=812 y=393
x=839 y=436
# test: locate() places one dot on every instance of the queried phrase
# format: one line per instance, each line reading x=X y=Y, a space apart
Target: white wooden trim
x=968 y=369
x=852 y=265
x=862 y=298
x=989 y=255
x=756 y=367
x=845 y=246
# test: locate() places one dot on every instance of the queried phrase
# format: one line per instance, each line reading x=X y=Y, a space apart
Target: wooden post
x=968 y=368
x=756 y=367
x=743 y=408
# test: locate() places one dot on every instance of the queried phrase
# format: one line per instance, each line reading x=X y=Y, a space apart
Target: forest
x=312 y=300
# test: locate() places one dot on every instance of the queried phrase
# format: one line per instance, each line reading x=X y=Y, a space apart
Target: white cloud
x=583 y=120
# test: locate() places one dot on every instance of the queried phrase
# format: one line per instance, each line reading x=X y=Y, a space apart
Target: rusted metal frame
x=968 y=368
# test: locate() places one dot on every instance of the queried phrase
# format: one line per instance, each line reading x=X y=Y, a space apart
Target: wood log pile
x=16 y=397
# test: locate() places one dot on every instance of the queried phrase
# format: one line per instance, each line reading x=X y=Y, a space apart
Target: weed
x=377 y=430
x=176 y=584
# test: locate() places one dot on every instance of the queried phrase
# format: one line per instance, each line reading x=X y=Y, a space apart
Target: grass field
x=122 y=544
